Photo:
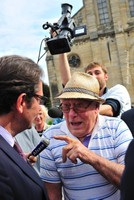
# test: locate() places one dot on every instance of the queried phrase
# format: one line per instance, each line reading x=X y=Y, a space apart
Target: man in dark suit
x=21 y=94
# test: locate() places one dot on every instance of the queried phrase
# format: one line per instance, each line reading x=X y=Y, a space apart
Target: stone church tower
x=109 y=40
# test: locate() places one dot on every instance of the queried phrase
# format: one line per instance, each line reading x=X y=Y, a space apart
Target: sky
x=21 y=29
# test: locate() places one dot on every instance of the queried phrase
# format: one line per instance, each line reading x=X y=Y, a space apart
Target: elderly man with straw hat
x=86 y=152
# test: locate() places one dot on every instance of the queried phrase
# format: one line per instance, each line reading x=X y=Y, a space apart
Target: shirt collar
x=7 y=136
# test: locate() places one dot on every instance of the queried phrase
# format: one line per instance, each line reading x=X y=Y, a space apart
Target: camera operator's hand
x=53 y=32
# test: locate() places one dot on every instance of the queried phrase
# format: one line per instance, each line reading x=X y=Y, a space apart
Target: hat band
x=80 y=90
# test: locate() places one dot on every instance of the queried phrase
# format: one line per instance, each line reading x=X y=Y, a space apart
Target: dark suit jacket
x=127 y=182
x=128 y=118
x=18 y=180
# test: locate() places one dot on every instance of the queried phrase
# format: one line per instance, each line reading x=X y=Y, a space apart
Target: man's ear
x=20 y=103
x=106 y=77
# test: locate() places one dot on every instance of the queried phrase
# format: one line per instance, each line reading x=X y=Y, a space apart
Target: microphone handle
x=40 y=147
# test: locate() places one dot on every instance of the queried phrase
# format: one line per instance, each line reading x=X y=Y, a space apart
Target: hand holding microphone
x=40 y=147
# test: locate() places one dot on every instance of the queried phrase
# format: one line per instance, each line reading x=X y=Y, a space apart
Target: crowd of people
x=91 y=146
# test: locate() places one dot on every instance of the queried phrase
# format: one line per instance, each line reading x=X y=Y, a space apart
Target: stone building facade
x=109 y=40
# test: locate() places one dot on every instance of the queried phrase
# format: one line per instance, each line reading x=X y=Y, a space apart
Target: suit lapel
x=15 y=157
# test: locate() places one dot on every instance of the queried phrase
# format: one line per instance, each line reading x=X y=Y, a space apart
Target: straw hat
x=81 y=86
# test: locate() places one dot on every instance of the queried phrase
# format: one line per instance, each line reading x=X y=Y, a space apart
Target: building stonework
x=111 y=44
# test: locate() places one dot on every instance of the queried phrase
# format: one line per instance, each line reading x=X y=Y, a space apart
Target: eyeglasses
x=41 y=99
x=78 y=108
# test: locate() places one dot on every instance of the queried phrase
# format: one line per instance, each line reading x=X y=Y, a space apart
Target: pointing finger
x=65 y=138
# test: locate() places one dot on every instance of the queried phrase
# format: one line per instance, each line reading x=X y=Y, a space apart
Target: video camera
x=65 y=31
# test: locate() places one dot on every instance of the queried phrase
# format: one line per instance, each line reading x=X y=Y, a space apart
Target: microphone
x=40 y=147
x=55 y=113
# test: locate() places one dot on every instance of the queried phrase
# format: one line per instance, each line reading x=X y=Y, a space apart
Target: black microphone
x=55 y=113
x=40 y=147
